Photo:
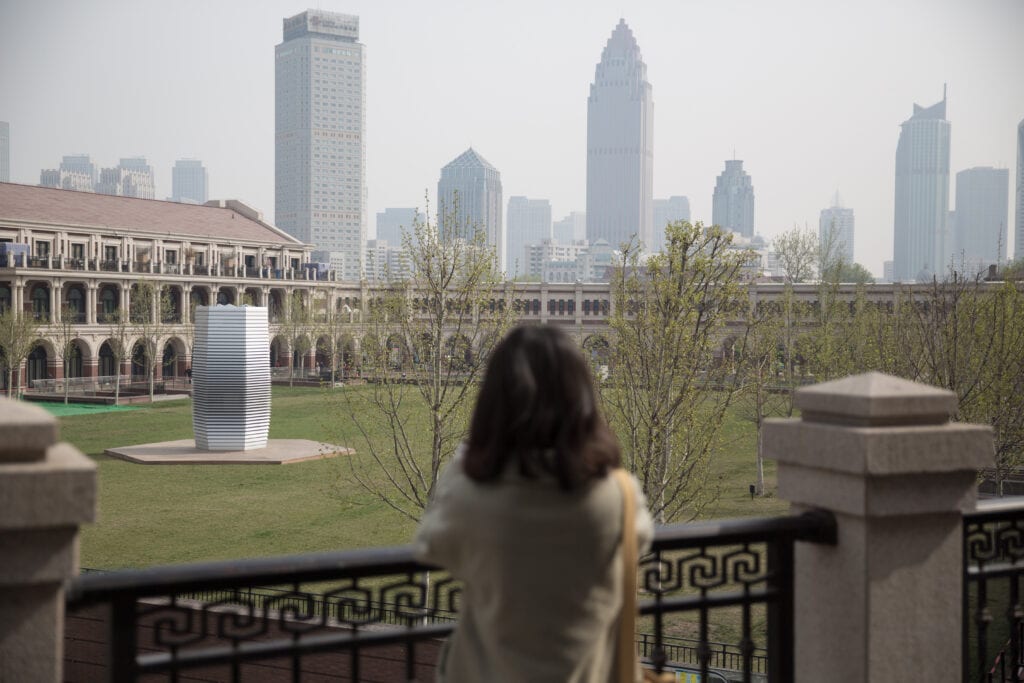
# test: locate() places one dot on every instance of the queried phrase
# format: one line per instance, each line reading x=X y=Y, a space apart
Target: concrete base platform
x=184 y=452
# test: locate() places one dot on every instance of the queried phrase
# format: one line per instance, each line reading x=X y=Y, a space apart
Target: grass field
x=165 y=514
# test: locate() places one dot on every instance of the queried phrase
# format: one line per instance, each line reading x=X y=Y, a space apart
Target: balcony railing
x=344 y=606
x=993 y=630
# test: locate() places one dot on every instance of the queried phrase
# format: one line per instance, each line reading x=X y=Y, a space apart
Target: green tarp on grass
x=62 y=410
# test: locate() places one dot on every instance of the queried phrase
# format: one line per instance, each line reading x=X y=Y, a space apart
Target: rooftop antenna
x=943 y=92
x=837 y=199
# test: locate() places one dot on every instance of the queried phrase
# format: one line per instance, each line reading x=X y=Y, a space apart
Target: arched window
x=108 y=363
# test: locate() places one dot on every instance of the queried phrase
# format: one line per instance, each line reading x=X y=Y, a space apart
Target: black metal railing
x=993 y=616
x=344 y=605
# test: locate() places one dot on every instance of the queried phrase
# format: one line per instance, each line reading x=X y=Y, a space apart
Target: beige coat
x=542 y=573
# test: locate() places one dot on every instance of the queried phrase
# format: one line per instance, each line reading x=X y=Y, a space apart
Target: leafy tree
x=798 y=252
x=332 y=325
x=756 y=358
x=665 y=397
x=842 y=271
x=19 y=334
x=967 y=336
x=429 y=335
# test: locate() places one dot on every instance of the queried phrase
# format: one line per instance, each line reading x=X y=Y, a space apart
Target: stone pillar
x=47 y=489
x=884 y=603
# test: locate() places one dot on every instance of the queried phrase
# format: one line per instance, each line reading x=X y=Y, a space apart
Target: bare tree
x=151 y=312
x=119 y=331
x=433 y=328
x=665 y=395
x=65 y=330
x=19 y=334
x=297 y=325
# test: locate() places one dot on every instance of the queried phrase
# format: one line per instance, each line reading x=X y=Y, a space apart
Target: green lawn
x=162 y=514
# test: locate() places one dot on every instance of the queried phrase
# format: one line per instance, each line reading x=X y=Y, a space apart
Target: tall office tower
x=667 y=211
x=920 y=228
x=620 y=145
x=835 y=231
x=132 y=177
x=982 y=207
x=732 y=205
x=189 y=182
x=393 y=221
x=1018 y=245
x=529 y=222
x=478 y=185
x=320 y=144
x=5 y=152
x=571 y=228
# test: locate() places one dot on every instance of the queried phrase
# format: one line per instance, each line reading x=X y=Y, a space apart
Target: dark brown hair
x=537 y=408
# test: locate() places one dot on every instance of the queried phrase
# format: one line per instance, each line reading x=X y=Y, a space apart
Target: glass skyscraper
x=320 y=126
x=189 y=182
x=921 y=240
x=478 y=186
x=980 y=231
x=620 y=145
x=529 y=222
x=1018 y=245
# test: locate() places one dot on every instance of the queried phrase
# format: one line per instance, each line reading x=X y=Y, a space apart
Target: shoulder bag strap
x=626 y=655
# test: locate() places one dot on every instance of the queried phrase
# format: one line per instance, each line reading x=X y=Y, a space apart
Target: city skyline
x=808 y=109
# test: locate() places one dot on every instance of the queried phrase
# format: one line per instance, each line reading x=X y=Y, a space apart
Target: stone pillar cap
x=27 y=430
x=875 y=399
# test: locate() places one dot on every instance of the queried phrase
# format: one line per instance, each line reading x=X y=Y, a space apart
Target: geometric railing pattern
x=379 y=614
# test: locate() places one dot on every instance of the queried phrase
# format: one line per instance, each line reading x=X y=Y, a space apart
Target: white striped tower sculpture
x=231 y=378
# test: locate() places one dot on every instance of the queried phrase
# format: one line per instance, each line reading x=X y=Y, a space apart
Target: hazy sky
x=809 y=94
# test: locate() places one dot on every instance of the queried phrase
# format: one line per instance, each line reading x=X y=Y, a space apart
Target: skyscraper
x=320 y=125
x=675 y=208
x=529 y=222
x=478 y=185
x=391 y=222
x=620 y=145
x=1018 y=245
x=5 y=152
x=76 y=172
x=835 y=231
x=189 y=182
x=571 y=228
x=732 y=205
x=980 y=231
x=920 y=227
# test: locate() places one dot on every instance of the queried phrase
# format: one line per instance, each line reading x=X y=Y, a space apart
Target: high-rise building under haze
x=675 y=208
x=1018 y=244
x=5 y=152
x=189 y=182
x=835 y=231
x=392 y=222
x=529 y=222
x=320 y=127
x=920 y=227
x=477 y=186
x=76 y=172
x=620 y=145
x=980 y=231
x=732 y=205
x=132 y=177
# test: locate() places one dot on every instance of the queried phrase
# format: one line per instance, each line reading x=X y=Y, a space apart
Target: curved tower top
x=620 y=144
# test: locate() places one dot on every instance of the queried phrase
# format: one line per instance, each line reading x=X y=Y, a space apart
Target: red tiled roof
x=70 y=208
